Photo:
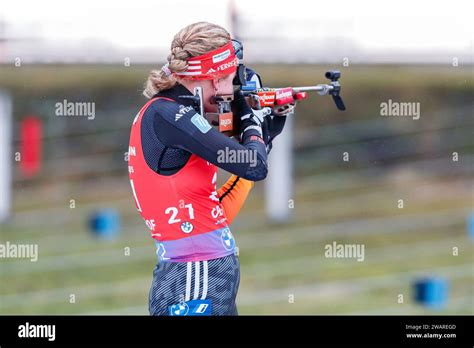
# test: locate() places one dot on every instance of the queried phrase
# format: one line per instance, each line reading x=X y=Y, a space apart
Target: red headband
x=222 y=61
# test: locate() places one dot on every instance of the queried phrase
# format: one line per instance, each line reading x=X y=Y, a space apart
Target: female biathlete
x=173 y=160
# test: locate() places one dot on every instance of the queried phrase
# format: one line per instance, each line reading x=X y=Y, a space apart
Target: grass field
x=277 y=260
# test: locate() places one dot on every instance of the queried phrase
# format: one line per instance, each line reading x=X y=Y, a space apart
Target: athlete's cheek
x=225 y=85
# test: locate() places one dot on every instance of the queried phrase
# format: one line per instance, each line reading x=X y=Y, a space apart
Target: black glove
x=251 y=121
x=271 y=127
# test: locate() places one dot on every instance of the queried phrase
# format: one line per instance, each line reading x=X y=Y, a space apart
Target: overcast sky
x=400 y=25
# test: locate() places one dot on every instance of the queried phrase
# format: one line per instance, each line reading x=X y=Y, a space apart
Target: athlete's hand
x=283 y=110
x=249 y=118
x=257 y=116
x=255 y=119
x=272 y=126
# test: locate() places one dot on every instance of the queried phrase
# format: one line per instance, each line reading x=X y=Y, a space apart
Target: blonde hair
x=194 y=40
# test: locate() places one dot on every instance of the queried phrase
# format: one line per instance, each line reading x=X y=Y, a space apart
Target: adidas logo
x=182 y=110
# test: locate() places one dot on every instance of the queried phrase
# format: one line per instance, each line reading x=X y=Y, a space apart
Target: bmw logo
x=187 y=227
x=179 y=309
x=227 y=239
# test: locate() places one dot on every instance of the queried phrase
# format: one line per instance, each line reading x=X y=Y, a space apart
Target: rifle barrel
x=321 y=88
x=317 y=88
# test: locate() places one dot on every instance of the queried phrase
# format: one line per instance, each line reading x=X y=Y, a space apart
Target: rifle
x=263 y=97
x=259 y=98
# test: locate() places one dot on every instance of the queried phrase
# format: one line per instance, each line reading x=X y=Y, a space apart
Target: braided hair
x=194 y=40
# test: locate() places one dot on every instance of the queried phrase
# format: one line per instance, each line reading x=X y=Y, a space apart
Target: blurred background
x=400 y=186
